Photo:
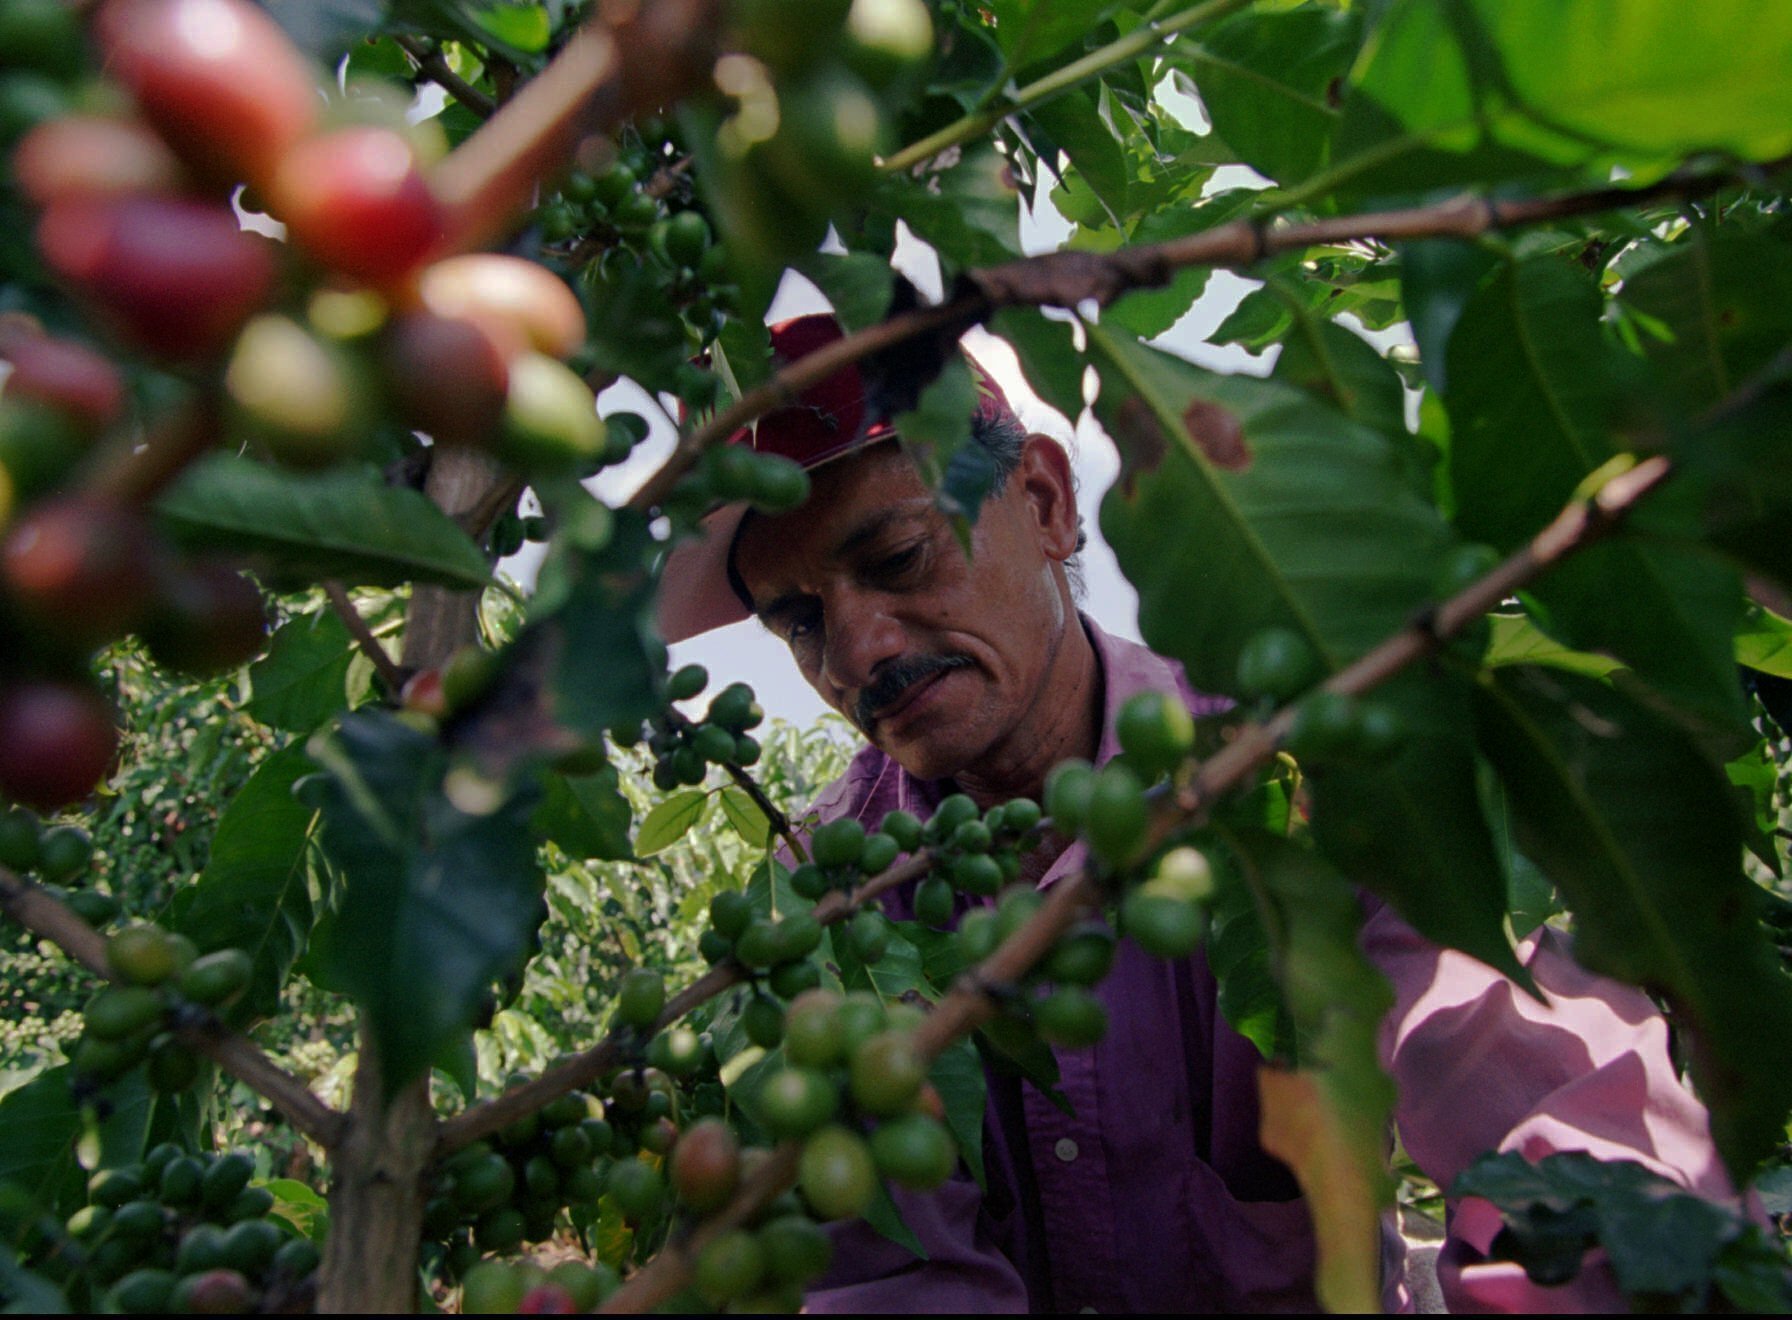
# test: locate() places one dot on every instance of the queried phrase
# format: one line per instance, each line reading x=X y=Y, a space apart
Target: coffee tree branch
x=1074 y=278
x=432 y=66
x=47 y=916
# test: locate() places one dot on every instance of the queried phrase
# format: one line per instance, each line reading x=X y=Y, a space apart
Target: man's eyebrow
x=854 y=541
x=873 y=527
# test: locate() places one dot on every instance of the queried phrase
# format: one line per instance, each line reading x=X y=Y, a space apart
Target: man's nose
x=861 y=635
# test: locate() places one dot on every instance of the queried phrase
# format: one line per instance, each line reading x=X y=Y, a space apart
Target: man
x=977 y=674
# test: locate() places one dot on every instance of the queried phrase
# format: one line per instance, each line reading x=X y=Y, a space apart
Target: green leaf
x=968 y=211
x=1453 y=91
x=1643 y=79
x=299 y=1205
x=937 y=432
x=858 y=286
x=417 y=953
x=347 y=524
x=586 y=816
x=1238 y=953
x=1764 y=642
x=670 y=820
x=524 y=26
x=958 y=1077
x=1029 y=30
x=1343 y=369
x=303 y=679
x=1531 y=400
x=1243 y=503
x=1735 y=477
x=255 y=893
x=591 y=630
x=1641 y=834
x=1720 y=308
x=1438 y=276
x=41 y=1125
x=1329 y=1119
x=1048 y=356
x=744 y=814
x=1304 y=521
x=1268 y=83
x=1075 y=123
x=1519 y=641
x=1413 y=829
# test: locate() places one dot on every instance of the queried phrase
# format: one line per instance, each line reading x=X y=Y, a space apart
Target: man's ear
x=1049 y=485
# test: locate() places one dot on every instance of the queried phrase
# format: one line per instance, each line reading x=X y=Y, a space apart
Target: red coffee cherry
x=356 y=201
x=448 y=376
x=93 y=156
x=217 y=79
x=57 y=741
x=82 y=571
x=173 y=277
x=68 y=377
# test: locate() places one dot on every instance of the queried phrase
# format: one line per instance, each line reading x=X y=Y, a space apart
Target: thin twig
x=47 y=916
x=1120 y=51
x=780 y=823
x=391 y=673
x=432 y=66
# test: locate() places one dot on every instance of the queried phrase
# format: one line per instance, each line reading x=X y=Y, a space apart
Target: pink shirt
x=1156 y=1195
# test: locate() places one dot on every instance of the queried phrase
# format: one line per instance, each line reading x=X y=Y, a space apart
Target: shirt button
x=1065 y=1149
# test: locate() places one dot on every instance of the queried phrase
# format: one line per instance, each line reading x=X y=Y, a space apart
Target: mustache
x=897 y=677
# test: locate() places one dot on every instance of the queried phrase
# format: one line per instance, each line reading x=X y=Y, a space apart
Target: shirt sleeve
x=964 y=1271
x=1481 y=1066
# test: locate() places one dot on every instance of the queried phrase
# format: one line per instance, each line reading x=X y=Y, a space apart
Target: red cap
x=825 y=423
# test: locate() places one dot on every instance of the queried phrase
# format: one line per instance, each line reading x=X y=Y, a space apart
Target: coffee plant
x=305 y=310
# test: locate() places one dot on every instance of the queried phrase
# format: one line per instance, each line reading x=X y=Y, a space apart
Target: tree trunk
x=376 y=1189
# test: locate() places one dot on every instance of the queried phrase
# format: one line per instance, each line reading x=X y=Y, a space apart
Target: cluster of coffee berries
x=524 y=1287
x=976 y=852
x=762 y=1265
x=175 y=1232
x=79 y=570
x=848 y=1061
x=808 y=94
x=164 y=983
x=1278 y=665
x=493 y=1196
x=683 y=749
x=57 y=856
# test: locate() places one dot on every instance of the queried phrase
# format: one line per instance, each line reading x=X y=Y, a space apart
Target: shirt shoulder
x=865 y=791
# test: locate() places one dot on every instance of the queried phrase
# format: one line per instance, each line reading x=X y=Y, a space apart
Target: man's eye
x=893 y=566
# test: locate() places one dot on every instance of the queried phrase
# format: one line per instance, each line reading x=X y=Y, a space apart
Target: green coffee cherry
x=1156 y=732
x=640 y=997
x=914 y=1151
x=838 y=843
x=1278 y=664
x=1117 y=815
x=687 y=683
x=1071 y=1017
x=1068 y=789
x=903 y=827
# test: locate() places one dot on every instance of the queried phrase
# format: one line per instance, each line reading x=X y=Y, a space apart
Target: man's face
x=935 y=657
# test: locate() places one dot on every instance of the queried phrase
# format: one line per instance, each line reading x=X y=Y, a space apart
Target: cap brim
x=695 y=595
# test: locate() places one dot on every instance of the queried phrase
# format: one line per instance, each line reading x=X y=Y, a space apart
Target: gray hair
x=1003 y=438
